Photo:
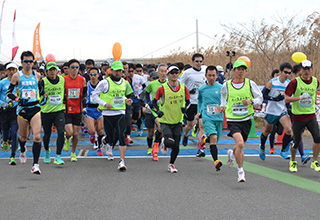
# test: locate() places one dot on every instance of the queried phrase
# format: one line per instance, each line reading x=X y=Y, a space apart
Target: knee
x=240 y=145
x=37 y=138
x=23 y=139
x=288 y=131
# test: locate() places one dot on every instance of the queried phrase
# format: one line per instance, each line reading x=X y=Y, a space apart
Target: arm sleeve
x=102 y=86
x=199 y=101
x=256 y=92
x=9 y=92
x=266 y=94
x=160 y=92
x=41 y=87
x=224 y=95
x=147 y=96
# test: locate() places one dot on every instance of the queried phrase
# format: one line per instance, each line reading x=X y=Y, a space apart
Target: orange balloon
x=50 y=58
x=117 y=51
x=245 y=59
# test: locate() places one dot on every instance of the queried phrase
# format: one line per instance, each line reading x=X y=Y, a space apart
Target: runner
x=241 y=94
x=151 y=116
x=94 y=119
x=8 y=117
x=276 y=110
x=52 y=112
x=175 y=98
x=193 y=78
x=209 y=100
x=76 y=90
x=302 y=93
x=112 y=95
x=26 y=83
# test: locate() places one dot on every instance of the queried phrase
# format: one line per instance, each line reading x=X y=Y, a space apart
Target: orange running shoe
x=155 y=151
x=271 y=150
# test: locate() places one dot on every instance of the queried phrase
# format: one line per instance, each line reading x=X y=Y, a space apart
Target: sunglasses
x=286 y=72
x=27 y=61
x=198 y=61
x=93 y=74
x=65 y=68
x=74 y=67
x=130 y=71
x=174 y=72
x=138 y=71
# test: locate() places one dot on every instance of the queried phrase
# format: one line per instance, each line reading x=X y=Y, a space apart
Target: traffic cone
x=225 y=125
x=252 y=133
x=279 y=138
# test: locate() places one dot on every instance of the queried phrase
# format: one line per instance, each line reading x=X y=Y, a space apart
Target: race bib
x=29 y=94
x=73 y=93
x=55 y=99
x=118 y=101
x=305 y=102
x=240 y=110
x=91 y=100
x=213 y=109
x=196 y=85
x=278 y=92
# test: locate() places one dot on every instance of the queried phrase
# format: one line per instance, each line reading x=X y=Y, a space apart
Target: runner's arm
x=102 y=86
x=224 y=95
x=159 y=94
x=257 y=95
x=14 y=82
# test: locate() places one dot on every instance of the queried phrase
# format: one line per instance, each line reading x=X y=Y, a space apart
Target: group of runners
x=111 y=101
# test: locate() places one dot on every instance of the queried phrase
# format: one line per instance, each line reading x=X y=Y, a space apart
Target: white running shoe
x=23 y=157
x=122 y=166
x=172 y=169
x=109 y=150
x=110 y=158
x=164 y=149
x=230 y=161
x=95 y=145
x=241 y=176
x=35 y=169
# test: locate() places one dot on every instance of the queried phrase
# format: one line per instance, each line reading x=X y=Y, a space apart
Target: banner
x=1 y=23
x=14 y=41
x=36 y=44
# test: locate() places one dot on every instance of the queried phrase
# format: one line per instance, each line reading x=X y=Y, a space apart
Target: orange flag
x=36 y=44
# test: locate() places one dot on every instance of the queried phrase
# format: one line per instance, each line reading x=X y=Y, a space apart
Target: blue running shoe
x=262 y=153
x=305 y=159
x=288 y=146
x=46 y=158
x=284 y=155
x=58 y=160
x=185 y=140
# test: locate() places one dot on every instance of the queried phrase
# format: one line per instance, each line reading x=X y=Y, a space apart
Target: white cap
x=306 y=63
x=172 y=68
x=219 y=68
x=11 y=65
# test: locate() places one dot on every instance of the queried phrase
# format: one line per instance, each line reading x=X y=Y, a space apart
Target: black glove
x=84 y=101
x=150 y=104
x=23 y=102
x=160 y=113
x=193 y=91
x=278 y=98
x=183 y=110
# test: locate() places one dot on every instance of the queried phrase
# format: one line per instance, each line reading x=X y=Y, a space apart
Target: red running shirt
x=74 y=91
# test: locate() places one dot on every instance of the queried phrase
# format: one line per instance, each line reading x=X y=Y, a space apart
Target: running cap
x=172 y=68
x=11 y=65
x=306 y=64
x=219 y=68
x=154 y=75
x=117 y=65
x=51 y=65
x=104 y=64
x=239 y=63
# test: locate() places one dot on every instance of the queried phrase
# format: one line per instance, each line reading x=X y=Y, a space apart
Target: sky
x=88 y=29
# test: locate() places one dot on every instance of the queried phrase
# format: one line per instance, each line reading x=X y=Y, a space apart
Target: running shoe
x=140 y=132
x=99 y=152
x=185 y=140
x=241 y=176
x=23 y=157
x=109 y=150
x=155 y=150
x=163 y=148
x=305 y=159
x=127 y=140
x=67 y=144
x=35 y=169
x=293 y=166
x=284 y=155
x=84 y=129
x=172 y=169
x=92 y=139
x=200 y=153
x=149 y=151
x=5 y=145
x=230 y=161
x=217 y=164
x=262 y=153
x=58 y=160
x=202 y=143
x=271 y=151
x=46 y=158
x=315 y=165
x=122 y=166
x=95 y=145
x=110 y=158
x=155 y=157
x=130 y=140
x=195 y=130
x=74 y=157
x=133 y=128
x=12 y=161
x=54 y=128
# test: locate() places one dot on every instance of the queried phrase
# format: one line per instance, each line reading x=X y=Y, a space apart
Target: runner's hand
x=304 y=95
x=160 y=113
x=129 y=102
x=184 y=110
x=222 y=109
x=278 y=98
x=23 y=102
x=107 y=106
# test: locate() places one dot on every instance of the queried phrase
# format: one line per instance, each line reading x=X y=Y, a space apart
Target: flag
x=36 y=44
x=14 y=41
x=1 y=23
